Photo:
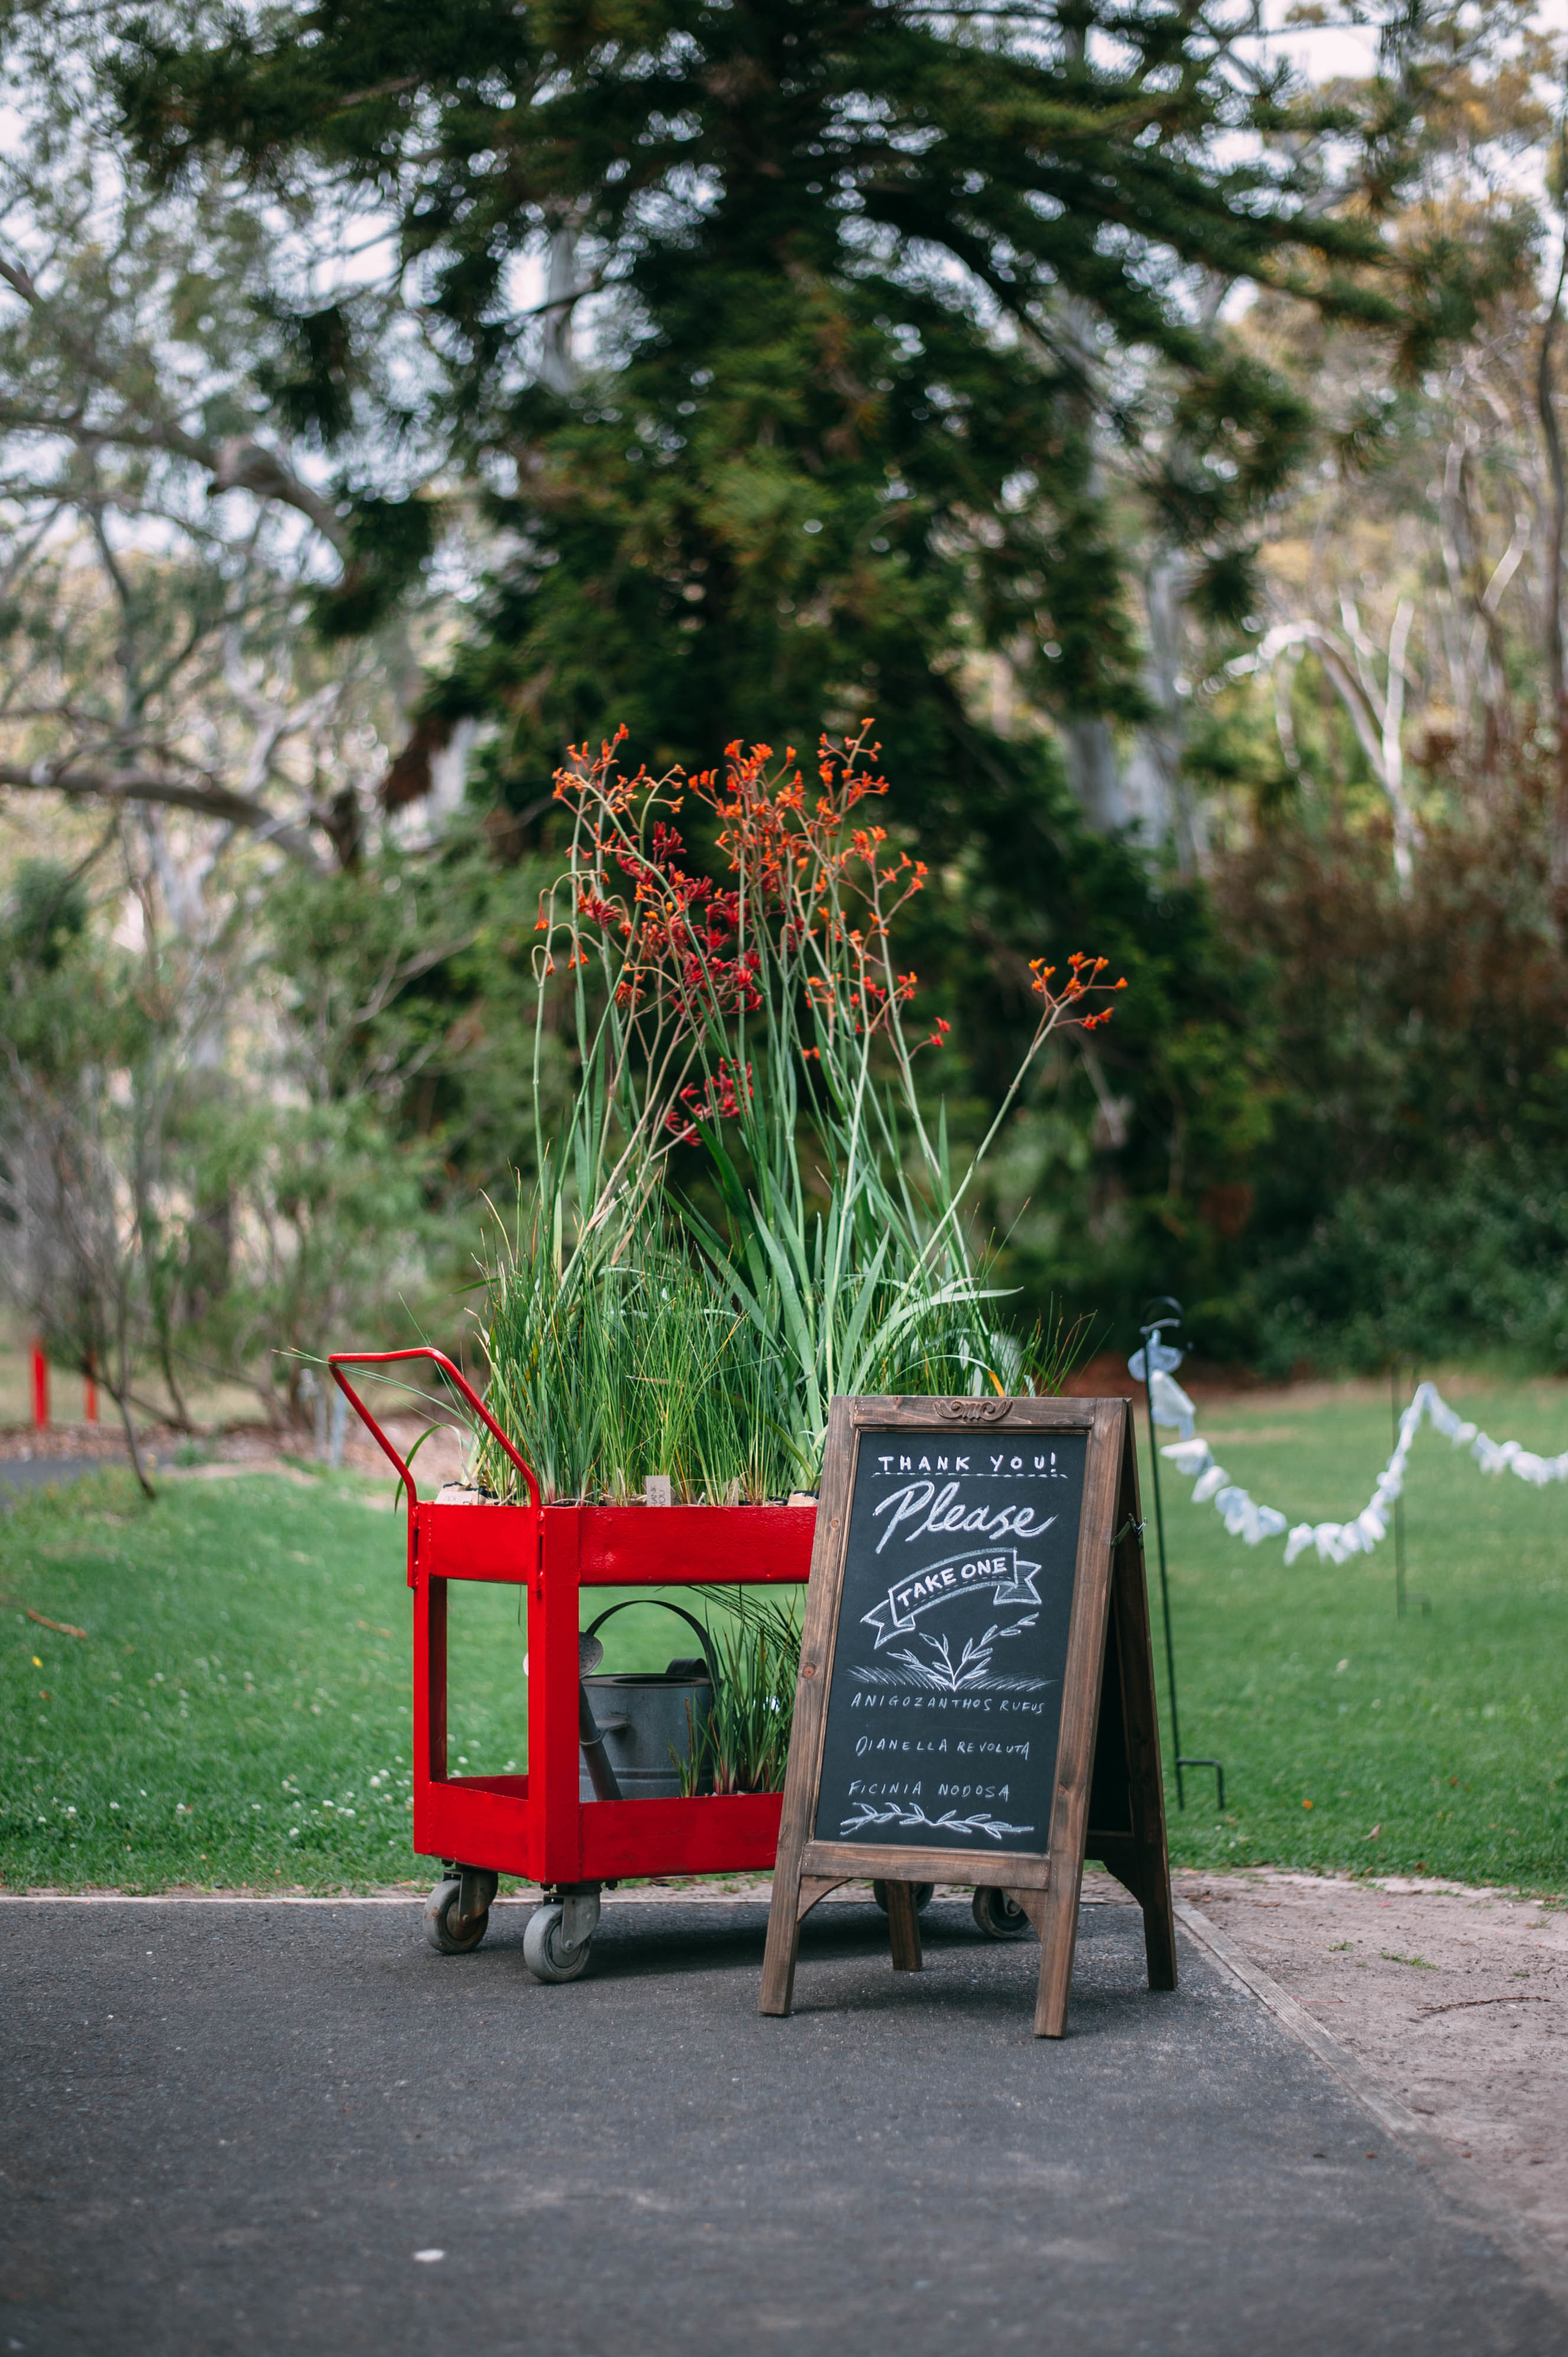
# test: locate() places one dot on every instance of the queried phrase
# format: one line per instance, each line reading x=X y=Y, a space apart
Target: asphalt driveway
x=18 y=1474
x=235 y=2128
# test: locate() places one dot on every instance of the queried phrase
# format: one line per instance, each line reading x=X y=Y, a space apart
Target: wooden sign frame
x=1107 y=1802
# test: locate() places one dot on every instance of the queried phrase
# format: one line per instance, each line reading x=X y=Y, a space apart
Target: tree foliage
x=859 y=294
x=741 y=371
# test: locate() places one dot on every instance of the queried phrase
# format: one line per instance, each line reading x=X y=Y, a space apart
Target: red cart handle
x=338 y=1360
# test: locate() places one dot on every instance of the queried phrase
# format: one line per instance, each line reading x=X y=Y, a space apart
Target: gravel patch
x=1456 y=1999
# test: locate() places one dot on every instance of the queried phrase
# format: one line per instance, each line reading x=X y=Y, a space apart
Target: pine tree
x=811 y=360
x=858 y=293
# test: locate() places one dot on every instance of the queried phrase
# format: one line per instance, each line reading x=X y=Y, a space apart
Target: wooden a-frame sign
x=976 y=1697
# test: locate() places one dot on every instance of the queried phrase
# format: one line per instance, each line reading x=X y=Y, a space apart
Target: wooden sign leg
x=1056 y=1922
x=1151 y=1878
x=794 y=1895
x=903 y=1927
x=1107 y=1503
x=1140 y=1709
x=783 y=1939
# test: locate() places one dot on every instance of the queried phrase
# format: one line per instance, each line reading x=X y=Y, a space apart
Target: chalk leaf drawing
x=908 y=1816
x=970 y=1674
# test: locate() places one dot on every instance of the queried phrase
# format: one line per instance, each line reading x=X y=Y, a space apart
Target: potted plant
x=760 y=1015
x=651 y=1341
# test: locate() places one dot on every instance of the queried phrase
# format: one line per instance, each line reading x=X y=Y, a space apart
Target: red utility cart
x=537 y=1824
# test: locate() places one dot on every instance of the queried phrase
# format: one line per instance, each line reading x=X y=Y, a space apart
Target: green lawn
x=240 y=1711
x=1434 y=1744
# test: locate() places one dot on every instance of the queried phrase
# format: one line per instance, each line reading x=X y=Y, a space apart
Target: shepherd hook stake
x=1168 y=1313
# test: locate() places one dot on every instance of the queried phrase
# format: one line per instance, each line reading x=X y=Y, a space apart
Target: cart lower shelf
x=489 y=1818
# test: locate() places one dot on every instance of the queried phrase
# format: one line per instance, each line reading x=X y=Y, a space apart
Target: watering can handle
x=665 y=1605
x=338 y=1360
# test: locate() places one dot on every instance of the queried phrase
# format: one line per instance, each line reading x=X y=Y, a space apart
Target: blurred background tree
x=1161 y=441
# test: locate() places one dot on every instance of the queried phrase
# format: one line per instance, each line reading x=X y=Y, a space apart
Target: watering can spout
x=601 y=1775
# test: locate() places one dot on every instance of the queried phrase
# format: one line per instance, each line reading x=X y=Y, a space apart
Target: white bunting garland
x=1335 y=1542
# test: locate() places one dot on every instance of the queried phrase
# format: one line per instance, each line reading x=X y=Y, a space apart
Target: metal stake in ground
x=1160 y=1315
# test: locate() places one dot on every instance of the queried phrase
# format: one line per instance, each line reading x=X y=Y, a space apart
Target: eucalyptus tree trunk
x=558 y=365
x=1162 y=801
x=1148 y=792
x=1557 y=522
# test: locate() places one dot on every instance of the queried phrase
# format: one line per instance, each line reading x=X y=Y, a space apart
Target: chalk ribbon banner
x=1010 y=1580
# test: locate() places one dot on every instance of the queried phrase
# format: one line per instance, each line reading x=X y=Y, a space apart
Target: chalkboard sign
x=946 y=1700
x=976 y=1696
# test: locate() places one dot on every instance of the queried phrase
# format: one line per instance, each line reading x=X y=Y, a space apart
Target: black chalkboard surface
x=976 y=1697
x=952 y=1635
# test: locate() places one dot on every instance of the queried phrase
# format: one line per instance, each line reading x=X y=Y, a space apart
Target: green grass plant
x=605 y=1370
x=755 y=1650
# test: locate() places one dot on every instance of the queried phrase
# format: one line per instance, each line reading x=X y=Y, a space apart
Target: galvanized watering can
x=637 y=1726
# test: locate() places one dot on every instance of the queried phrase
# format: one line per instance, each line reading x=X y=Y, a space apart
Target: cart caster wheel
x=544 y=1949
x=445 y=1928
x=924 y=1894
x=998 y=1915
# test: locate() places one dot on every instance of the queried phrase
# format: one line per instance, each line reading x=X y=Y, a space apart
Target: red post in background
x=41 y=1389
x=89 y=1389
